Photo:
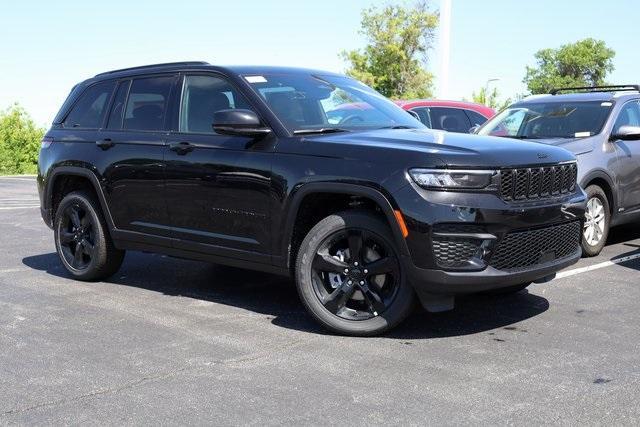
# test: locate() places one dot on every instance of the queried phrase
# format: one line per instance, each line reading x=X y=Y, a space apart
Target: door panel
x=133 y=146
x=627 y=170
x=219 y=192
x=134 y=181
x=218 y=187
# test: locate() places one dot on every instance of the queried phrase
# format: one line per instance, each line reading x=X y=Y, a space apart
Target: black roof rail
x=144 y=67
x=610 y=88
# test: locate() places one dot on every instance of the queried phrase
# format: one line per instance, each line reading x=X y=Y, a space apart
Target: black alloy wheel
x=350 y=277
x=355 y=274
x=82 y=238
x=76 y=237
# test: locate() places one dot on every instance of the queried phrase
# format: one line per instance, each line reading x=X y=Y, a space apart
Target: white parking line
x=6 y=208
x=596 y=266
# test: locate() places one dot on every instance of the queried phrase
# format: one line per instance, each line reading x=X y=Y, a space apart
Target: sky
x=48 y=46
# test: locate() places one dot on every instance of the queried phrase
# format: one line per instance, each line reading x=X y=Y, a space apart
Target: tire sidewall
x=82 y=200
x=394 y=314
x=594 y=191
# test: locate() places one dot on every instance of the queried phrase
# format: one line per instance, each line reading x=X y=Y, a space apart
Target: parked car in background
x=241 y=166
x=451 y=116
x=601 y=126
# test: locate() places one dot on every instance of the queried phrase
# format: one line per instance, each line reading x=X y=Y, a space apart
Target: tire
x=508 y=290
x=372 y=303
x=596 y=199
x=82 y=238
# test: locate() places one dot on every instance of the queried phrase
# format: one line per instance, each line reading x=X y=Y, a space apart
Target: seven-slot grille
x=528 y=248
x=537 y=182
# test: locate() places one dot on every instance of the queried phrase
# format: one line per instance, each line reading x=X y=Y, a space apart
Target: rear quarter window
x=147 y=103
x=89 y=111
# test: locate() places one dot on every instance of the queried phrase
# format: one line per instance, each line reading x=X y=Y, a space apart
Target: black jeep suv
x=240 y=166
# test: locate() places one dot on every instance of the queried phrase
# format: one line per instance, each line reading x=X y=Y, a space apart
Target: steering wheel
x=353 y=118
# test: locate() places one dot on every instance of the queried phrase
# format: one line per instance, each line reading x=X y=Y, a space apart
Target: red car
x=452 y=116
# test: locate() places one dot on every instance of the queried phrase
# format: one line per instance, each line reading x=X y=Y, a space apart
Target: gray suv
x=601 y=126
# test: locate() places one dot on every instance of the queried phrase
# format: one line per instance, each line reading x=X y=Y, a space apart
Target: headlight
x=451 y=179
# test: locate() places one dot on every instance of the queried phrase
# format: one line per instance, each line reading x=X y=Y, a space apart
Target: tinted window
x=628 y=116
x=147 y=103
x=475 y=118
x=90 y=109
x=423 y=113
x=202 y=96
x=449 y=119
x=117 y=109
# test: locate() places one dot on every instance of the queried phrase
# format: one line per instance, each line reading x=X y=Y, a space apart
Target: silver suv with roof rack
x=601 y=126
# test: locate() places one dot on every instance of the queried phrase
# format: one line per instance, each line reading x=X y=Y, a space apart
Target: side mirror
x=238 y=122
x=626 y=133
x=474 y=129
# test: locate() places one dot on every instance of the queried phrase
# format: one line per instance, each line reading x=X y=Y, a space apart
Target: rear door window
x=423 y=114
x=117 y=109
x=449 y=119
x=475 y=118
x=89 y=111
x=147 y=103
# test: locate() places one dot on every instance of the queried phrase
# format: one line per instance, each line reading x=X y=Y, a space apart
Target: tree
x=19 y=141
x=398 y=39
x=493 y=101
x=584 y=63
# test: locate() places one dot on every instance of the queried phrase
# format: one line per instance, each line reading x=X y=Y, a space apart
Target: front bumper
x=492 y=219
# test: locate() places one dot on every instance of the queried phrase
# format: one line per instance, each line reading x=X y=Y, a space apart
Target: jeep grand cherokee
x=240 y=166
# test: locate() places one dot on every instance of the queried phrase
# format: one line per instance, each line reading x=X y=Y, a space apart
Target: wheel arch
x=357 y=193
x=604 y=181
x=62 y=172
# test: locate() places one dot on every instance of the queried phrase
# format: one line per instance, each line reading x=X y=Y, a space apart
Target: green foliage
x=493 y=101
x=584 y=63
x=19 y=141
x=398 y=39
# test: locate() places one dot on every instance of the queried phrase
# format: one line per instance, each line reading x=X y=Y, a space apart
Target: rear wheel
x=349 y=275
x=82 y=239
x=596 y=221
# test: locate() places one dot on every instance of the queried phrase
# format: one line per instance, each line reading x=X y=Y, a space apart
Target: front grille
x=454 y=252
x=537 y=182
x=524 y=249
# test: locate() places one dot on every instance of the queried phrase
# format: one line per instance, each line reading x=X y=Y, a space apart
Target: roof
x=201 y=65
x=479 y=108
x=580 y=97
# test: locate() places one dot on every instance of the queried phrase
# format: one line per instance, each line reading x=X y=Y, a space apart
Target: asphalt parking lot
x=174 y=342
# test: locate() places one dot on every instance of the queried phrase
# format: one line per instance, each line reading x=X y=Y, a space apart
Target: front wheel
x=349 y=275
x=596 y=221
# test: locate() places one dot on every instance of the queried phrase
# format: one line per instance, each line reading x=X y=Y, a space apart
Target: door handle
x=105 y=144
x=182 y=148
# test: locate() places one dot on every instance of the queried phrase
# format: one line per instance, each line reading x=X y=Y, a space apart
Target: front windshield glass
x=549 y=120
x=307 y=103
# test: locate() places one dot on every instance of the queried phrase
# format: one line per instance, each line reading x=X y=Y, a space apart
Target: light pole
x=486 y=91
x=445 y=43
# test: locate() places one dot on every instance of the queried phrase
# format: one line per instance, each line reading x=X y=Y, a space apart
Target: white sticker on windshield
x=606 y=104
x=582 y=134
x=255 y=79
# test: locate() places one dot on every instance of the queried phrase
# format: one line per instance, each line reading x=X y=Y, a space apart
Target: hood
x=575 y=145
x=453 y=149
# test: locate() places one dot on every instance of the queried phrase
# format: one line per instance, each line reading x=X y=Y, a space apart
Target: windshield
x=549 y=120
x=307 y=103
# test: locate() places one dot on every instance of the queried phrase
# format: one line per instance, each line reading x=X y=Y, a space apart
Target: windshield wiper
x=516 y=136
x=398 y=127
x=321 y=130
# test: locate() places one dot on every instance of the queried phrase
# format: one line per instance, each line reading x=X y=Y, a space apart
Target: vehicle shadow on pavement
x=277 y=299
